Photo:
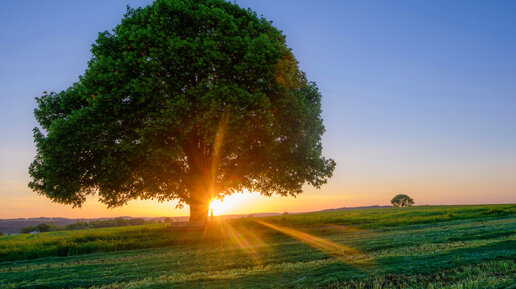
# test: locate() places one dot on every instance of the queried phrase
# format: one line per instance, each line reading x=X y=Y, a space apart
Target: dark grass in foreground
x=419 y=247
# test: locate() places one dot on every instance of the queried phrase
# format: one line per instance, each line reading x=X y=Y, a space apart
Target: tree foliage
x=402 y=200
x=46 y=227
x=27 y=229
x=39 y=228
x=184 y=100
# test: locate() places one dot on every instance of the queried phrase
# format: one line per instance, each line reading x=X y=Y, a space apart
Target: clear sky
x=419 y=97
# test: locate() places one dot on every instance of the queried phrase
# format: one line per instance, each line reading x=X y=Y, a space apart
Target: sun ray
x=238 y=237
x=217 y=147
x=338 y=251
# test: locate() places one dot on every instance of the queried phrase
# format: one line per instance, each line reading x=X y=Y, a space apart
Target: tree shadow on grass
x=431 y=263
x=305 y=276
x=334 y=272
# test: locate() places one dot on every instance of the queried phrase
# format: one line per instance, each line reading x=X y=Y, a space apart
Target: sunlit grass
x=338 y=251
x=432 y=247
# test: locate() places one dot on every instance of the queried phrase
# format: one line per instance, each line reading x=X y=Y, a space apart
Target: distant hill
x=257 y=215
x=9 y=226
x=14 y=226
x=355 y=208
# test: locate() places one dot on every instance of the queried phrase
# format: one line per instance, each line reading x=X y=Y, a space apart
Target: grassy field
x=418 y=247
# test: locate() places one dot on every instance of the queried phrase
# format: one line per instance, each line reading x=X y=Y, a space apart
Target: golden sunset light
x=229 y=205
x=257 y=144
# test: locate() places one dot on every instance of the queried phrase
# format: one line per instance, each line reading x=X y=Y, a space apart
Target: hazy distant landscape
x=13 y=226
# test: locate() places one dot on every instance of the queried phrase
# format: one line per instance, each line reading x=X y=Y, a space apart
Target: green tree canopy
x=27 y=229
x=184 y=100
x=402 y=200
x=46 y=227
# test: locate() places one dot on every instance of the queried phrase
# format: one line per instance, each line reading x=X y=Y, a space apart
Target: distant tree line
x=81 y=225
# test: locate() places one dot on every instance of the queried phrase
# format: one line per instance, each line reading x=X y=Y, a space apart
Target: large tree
x=184 y=100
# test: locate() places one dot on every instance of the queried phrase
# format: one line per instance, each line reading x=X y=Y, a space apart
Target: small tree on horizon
x=402 y=200
x=184 y=100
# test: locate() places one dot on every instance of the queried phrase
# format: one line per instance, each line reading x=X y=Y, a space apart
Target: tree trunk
x=199 y=211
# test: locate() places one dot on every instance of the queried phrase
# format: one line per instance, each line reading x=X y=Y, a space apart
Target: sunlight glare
x=226 y=206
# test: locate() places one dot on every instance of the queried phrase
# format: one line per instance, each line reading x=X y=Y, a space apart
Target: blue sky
x=418 y=96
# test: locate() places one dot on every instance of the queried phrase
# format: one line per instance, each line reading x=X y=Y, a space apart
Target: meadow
x=416 y=247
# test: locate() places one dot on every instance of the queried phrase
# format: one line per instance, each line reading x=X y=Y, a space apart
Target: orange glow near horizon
x=227 y=206
x=20 y=202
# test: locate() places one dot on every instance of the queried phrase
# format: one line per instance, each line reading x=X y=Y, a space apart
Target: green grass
x=418 y=247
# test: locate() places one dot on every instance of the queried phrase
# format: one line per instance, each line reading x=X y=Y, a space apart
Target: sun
x=223 y=207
